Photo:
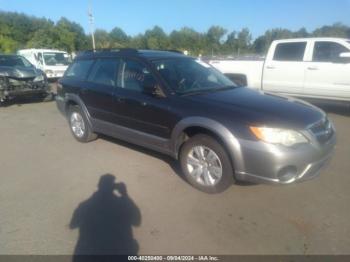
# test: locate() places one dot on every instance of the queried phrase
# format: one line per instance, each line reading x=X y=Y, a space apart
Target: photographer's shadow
x=105 y=221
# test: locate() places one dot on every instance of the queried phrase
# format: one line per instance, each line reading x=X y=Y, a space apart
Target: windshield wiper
x=198 y=92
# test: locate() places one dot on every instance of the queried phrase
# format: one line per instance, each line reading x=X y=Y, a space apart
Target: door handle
x=312 y=68
x=270 y=67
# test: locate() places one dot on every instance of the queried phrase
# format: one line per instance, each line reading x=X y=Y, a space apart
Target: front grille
x=59 y=72
x=322 y=130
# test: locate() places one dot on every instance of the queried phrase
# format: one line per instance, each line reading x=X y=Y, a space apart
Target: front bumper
x=276 y=164
x=24 y=90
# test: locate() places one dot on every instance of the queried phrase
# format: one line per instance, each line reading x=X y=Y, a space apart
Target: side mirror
x=151 y=87
x=344 y=55
x=344 y=58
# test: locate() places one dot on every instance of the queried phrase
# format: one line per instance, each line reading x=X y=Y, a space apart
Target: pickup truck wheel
x=79 y=125
x=205 y=164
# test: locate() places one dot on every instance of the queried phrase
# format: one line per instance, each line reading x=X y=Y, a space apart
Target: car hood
x=19 y=72
x=261 y=108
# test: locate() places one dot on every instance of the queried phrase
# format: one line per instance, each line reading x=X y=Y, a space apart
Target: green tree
x=8 y=45
x=73 y=35
x=45 y=38
x=262 y=43
x=102 y=39
x=214 y=37
x=119 y=37
x=187 y=39
x=244 y=39
x=335 y=30
x=156 y=38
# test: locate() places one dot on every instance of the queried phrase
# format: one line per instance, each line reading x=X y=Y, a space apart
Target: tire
x=195 y=173
x=76 y=115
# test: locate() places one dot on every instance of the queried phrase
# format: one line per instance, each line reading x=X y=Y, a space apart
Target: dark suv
x=183 y=107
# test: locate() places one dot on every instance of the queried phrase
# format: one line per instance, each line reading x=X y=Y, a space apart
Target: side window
x=40 y=57
x=328 y=51
x=290 y=51
x=79 y=69
x=134 y=75
x=104 y=72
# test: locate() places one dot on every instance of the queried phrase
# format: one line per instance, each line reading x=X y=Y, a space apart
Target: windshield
x=56 y=59
x=187 y=75
x=14 y=61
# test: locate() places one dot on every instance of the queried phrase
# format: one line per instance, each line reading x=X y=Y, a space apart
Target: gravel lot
x=45 y=174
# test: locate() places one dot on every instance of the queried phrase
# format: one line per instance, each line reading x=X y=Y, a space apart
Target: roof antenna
x=91 y=22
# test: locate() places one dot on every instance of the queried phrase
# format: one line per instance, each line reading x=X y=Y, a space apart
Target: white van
x=53 y=62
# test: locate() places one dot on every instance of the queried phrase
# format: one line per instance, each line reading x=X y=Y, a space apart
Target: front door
x=328 y=75
x=136 y=109
x=284 y=72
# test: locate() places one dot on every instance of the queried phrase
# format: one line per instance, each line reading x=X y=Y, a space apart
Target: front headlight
x=39 y=78
x=284 y=137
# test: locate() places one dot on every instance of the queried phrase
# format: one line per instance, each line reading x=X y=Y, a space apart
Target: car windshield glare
x=188 y=75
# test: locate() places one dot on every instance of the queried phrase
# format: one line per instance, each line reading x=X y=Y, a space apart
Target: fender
x=231 y=142
x=75 y=98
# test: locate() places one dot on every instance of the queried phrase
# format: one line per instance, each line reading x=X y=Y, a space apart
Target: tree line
x=19 y=31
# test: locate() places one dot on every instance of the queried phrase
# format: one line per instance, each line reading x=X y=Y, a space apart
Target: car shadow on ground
x=105 y=222
x=175 y=166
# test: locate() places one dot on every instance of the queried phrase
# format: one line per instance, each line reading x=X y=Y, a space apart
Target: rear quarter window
x=79 y=69
x=290 y=51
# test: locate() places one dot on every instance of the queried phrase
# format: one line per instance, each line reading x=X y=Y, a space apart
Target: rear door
x=97 y=92
x=328 y=75
x=284 y=68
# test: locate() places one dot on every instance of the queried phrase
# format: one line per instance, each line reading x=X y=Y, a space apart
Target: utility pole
x=91 y=21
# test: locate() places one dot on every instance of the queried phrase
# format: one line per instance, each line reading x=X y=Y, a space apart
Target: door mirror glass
x=344 y=55
x=151 y=87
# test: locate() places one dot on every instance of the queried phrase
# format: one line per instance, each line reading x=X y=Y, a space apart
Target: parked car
x=18 y=77
x=53 y=62
x=317 y=68
x=183 y=107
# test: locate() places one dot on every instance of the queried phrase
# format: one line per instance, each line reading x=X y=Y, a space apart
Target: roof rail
x=173 y=51
x=105 y=50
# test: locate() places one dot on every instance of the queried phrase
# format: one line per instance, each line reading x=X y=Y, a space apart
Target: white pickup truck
x=312 y=67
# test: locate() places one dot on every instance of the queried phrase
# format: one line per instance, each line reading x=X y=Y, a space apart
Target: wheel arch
x=195 y=125
x=75 y=100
